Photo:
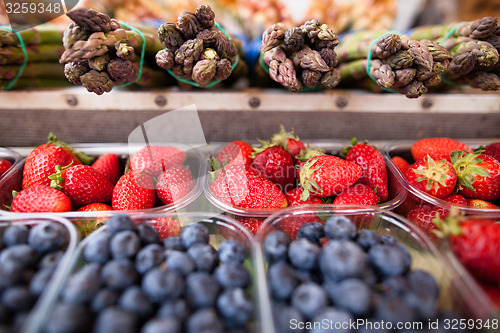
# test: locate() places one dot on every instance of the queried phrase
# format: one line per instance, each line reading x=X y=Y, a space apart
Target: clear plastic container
x=45 y=300
x=416 y=197
x=221 y=228
x=459 y=292
x=194 y=161
x=396 y=195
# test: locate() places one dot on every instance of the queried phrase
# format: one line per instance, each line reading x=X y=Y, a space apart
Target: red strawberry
x=174 y=184
x=88 y=225
x=134 y=190
x=251 y=223
x=40 y=199
x=374 y=168
x=358 y=194
x=304 y=156
x=82 y=184
x=42 y=161
x=277 y=165
x=95 y=207
x=293 y=197
x=477 y=203
x=326 y=175
x=401 y=164
x=244 y=187
x=456 y=199
x=476 y=243
x=290 y=225
x=434 y=177
x=436 y=147
x=423 y=217
x=108 y=166
x=493 y=292
x=493 y=149
x=4 y=166
x=238 y=151
x=289 y=141
x=478 y=175
x=155 y=159
x=167 y=227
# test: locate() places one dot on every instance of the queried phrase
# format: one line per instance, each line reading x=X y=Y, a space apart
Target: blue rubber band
x=143 y=52
x=23 y=65
x=369 y=59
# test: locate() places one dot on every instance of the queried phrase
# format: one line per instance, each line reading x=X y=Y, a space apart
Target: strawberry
x=251 y=223
x=95 y=207
x=434 y=177
x=401 y=164
x=82 y=184
x=436 y=147
x=155 y=159
x=40 y=199
x=244 y=187
x=493 y=292
x=493 y=149
x=289 y=141
x=374 y=168
x=293 y=198
x=108 y=165
x=423 y=217
x=4 y=166
x=290 y=225
x=326 y=175
x=358 y=194
x=42 y=161
x=237 y=151
x=304 y=156
x=174 y=184
x=88 y=225
x=478 y=175
x=167 y=227
x=456 y=199
x=477 y=203
x=276 y=164
x=134 y=190
x=476 y=244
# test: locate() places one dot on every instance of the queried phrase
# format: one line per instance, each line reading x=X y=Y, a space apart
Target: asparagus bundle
x=301 y=56
x=99 y=54
x=394 y=62
x=196 y=50
x=475 y=47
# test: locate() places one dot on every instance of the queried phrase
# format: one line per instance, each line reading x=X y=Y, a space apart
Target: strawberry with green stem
x=436 y=147
x=306 y=155
x=432 y=176
x=289 y=141
x=276 y=164
x=40 y=199
x=294 y=198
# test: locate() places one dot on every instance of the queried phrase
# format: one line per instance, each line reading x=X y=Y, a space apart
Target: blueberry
x=388 y=240
x=83 y=285
x=15 y=234
x=202 y=290
x=235 y=307
x=40 y=281
x=282 y=280
x=393 y=310
x=388 y=260
x=332 y=316
x=148 y=234
x=313 y=231
x=395 y=286
x=18 y=298
x=309 y=298
x=303 y=254
x=285 y=316
x=342 y=259
x=11 y=273
x=170 y=325
x=125 y=244
x=120 y=222
x=367 y=238
x=97 y=249
x=204 y=321
x=231 y=251
x=276 y=246
x=204 y=256
x=194 y=234
x=173 y=243
x=48 y=237
x=161 y=284
x=51 y=260
x=177 y=308
x=103 y=299
x=423 y=303
x=369 y=276
x=150 y=256
x=352 y=295
x=232 y=275
x=67 y=318
x=180 y=262
x=422 y=281
x=23 y=254
x=118 y=274
x=340 y=227
x=116 y=320
x=133 y=300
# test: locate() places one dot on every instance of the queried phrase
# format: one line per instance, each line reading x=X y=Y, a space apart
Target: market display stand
x=77 y=116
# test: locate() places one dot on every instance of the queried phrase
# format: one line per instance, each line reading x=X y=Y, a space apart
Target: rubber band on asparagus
x=23 y=65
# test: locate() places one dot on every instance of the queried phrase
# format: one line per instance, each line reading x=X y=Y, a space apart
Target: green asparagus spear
x=10 y=55
x=43 y=34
